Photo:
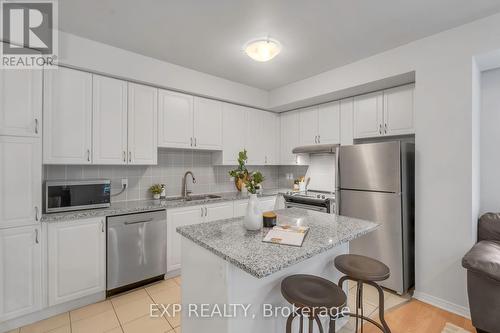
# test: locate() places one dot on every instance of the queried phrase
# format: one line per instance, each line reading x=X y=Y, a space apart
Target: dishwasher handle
x=137 y=222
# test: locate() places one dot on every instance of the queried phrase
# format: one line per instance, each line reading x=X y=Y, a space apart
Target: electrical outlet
x=124 y=182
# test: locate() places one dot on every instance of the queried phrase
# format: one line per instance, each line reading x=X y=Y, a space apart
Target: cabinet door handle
x=124 y=153
x=37 y=241
x=201 y=211
x=385 y=128
x=195 y=144
x=206 y=211
x=88 y=155
x=102 y=225
x=36 y=213
x=315 y=139
x=36 y=126
x=191 y=141
x=130 y=156
x=380 y=129
x=319 y=138
x=296 y=159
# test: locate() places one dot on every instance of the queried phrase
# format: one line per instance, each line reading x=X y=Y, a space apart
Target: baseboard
x=50 y=311
x=442 y=304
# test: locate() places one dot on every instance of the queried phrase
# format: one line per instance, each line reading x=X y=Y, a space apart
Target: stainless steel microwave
x=68 y=195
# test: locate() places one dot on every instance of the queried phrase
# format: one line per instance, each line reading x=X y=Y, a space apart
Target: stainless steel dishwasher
x=136 y=250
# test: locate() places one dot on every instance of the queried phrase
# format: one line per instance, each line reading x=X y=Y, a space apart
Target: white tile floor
x=129 y=313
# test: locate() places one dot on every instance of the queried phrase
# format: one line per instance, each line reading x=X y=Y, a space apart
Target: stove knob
x=323 y=197
x=318 y=196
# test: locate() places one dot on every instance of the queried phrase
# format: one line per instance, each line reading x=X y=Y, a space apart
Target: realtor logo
x=28 y=33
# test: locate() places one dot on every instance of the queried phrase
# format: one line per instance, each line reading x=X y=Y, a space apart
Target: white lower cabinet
x=265 y=204
x=76 y=259
x=20 y=271
x=179 y=217
x=218 y=211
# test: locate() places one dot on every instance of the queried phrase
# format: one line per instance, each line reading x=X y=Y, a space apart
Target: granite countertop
x=135 y=206
x=229 y=240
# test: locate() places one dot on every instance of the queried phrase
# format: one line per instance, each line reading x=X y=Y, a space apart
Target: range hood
x=316 y=149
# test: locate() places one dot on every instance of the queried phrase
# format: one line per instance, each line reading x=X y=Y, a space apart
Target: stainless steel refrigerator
x=375 y=181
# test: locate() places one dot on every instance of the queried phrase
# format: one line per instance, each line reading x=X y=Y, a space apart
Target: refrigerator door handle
x=337 y=180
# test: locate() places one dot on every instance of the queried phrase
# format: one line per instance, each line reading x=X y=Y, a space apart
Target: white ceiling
x=317 y=35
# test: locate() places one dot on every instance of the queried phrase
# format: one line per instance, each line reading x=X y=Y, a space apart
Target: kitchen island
x=231 y=279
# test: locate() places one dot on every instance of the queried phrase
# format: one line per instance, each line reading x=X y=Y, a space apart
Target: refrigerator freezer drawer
x=370 y=167
x=385 y=243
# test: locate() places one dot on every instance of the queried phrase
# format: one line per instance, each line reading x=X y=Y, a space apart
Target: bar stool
x=364 y=270
x=311 y=295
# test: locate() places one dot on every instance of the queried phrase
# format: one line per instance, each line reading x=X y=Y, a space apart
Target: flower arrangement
x=156 y=190
x=240 y=174
x=253 y=181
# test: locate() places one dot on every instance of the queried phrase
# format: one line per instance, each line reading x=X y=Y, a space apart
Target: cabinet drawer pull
x=206 y=211
x=36 y=126
x=36 y=236
x=36 y=213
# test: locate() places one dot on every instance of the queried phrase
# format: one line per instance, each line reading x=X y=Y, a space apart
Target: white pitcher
x=253 y=216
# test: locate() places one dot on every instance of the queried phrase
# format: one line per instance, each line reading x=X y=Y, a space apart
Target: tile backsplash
x=172 y=164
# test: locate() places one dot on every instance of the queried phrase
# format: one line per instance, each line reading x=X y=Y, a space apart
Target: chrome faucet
x=185 y=192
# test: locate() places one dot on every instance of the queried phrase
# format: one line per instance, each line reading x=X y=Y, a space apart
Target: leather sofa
x=483 y=275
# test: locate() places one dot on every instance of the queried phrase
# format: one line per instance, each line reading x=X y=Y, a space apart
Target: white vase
x=156 y=196
x=253 y=216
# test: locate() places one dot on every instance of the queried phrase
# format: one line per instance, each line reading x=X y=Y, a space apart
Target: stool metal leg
x=331 y=325
x=289 y=322
x=301 y=328
x=319 y=323
x=381 y=306
x=311 y=324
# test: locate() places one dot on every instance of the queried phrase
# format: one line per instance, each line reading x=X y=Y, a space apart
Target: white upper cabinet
x=368 y=115
x=175 y=116
x=255 y=137
x=385 y=113
x=234 y=118
x=20 y=181
x=399 y=116
x=20 y=271
x=308 y=126
x=109 y=130
x=76 y=259
x=271 y=138
x=289 y=139
x=329 y=123
x=142 y=124
x=346 y=127
x=20 y=102
x=320 y=124
x=67 y=116
x=207 y=124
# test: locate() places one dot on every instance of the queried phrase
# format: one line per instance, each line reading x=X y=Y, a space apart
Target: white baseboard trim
x=442 y=304
x=50 y=311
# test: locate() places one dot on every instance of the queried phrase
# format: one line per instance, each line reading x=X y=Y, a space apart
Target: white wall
x=446 y=144
x=322 y=172
x=94 y=56
x=490 y=139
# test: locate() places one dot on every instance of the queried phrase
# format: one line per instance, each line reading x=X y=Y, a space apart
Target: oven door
x=289 y=204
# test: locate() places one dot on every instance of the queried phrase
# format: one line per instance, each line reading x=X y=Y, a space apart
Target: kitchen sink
x=203 y=197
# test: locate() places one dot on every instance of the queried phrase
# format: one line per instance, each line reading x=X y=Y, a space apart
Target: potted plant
x=253 y=216
x=240 y=174
x=156 y=190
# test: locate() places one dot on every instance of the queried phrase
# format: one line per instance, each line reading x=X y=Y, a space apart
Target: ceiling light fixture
x=262 y=49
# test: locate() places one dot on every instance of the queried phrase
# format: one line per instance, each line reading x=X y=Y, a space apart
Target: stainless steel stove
x=314 y=200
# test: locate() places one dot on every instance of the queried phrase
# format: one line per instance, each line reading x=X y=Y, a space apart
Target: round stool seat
x=361 y=267
x=309 y=291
